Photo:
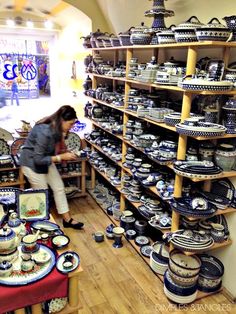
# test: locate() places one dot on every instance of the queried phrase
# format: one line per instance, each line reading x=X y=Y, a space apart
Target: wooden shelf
x=120 y=137
x=9 y=184
x=116 y=78
x=187 y=97
x=218 y=212
x=224 y=174
x=106 y=104
x=208 y=44
x=118 y=163
x=214 y=247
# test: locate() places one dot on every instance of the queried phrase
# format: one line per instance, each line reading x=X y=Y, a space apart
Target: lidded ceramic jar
x=97 y=112
x=166 y=36
x=231 y=24
x=225 y=156
x=125 y=37
x=93 y=37
x=206 y=151
x=16 y=225
x=141 y=35
x=214 y=31
x=185 y=32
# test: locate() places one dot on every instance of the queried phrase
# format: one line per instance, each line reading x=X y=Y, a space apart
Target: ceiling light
x=48 y=24
x=29 y=24
x=10 y=22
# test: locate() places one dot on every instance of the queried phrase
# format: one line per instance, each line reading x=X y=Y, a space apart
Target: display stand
x=192 y=51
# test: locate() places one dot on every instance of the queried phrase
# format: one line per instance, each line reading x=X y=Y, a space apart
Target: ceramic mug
x=98 y=236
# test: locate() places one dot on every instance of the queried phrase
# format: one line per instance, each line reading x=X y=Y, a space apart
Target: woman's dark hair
x=64 y=113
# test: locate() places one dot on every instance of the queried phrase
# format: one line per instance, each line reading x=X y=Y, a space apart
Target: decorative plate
x=5 y=135
x=141 y=240
x=146 y=250
x=61 y=260
x=45 y=226
x=4 y=147
x=17 y=145
x=32 y=205
x=73 y=141
x=19 y=278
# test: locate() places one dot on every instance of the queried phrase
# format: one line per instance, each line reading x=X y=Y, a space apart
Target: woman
x=38 y=158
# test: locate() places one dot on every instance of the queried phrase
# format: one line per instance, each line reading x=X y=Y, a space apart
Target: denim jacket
x=38 y=148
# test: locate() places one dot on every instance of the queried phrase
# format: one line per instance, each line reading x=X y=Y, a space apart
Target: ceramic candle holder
x=117 y=232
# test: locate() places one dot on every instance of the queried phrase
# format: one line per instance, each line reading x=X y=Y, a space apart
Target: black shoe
x=69 y=224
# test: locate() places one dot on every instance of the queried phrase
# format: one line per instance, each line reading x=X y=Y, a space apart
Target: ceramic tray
x=4 y=147
x=61 y=260
x=32 y=205
x=19 y=278
x=45 y=226
x=17 y=145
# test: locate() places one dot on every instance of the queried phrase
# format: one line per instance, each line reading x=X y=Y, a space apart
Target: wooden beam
x=61 y=6
x=20 y=4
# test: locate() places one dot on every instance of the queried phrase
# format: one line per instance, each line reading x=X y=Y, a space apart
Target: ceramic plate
x=32 y=205
x=4 y=147
x=5 y=135
x=73 y=141
x=17 y=145
x=141 y=240
x=19 y=278
x=61 y=259
x=146 y=250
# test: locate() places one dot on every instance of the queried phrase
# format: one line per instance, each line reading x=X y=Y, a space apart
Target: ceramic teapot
x=8 y=240
x=16 y=225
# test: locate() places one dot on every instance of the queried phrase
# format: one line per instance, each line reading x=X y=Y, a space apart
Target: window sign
x=19 y=62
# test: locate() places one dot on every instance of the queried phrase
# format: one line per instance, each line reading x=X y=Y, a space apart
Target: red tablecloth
x=55 y=285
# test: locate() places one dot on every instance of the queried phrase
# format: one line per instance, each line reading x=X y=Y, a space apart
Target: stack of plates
x=191 y=240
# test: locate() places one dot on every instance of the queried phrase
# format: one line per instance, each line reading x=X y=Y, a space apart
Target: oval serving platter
x=45 y=225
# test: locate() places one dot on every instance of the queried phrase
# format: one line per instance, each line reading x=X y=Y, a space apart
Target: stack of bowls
x=180 y=280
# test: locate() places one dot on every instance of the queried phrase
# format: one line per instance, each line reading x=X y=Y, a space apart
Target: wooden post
x=73 y=291
x=20 y=311
x=83 y=176
x=37 y=309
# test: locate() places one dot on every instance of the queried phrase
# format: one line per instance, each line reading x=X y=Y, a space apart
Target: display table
x=54 y=285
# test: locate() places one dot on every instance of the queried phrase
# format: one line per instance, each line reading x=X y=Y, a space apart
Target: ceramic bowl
x=60 y=241
x=184 y=265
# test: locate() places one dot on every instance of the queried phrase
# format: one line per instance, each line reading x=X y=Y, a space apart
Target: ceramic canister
x=225 y=156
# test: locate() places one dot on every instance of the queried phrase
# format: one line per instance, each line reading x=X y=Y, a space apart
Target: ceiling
x=58 y=11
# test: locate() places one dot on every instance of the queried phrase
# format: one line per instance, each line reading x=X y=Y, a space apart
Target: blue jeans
x=15 y=95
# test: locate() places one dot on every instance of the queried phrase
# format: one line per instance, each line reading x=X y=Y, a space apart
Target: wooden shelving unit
x=192 y=50
x=20 y=182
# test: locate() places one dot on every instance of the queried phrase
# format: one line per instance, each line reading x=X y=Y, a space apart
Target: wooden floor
x=119 y=280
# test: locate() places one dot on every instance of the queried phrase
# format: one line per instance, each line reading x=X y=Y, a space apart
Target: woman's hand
x=68 y=156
